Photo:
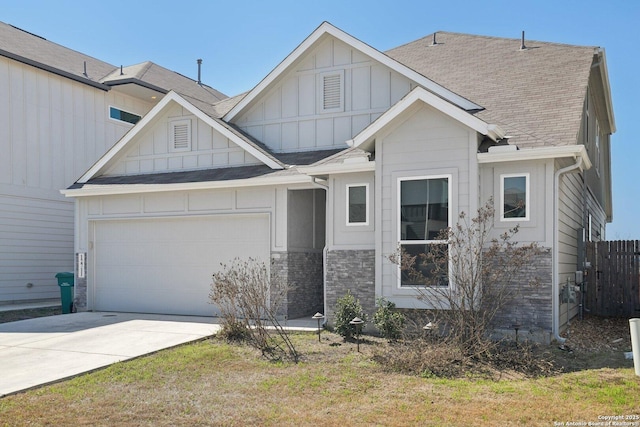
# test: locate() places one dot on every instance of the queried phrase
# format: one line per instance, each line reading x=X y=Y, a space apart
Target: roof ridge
x=482 y=36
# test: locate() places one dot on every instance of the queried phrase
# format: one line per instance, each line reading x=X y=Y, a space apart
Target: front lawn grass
x=214 y=383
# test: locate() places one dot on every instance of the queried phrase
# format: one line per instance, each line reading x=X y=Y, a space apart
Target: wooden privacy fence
x=613 y=279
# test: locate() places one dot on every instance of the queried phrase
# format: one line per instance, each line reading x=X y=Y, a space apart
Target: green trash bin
x=65 y=281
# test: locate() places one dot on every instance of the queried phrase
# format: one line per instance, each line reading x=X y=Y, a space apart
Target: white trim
x=449 y=178
x=527 y=190
x=573 y=151
x=327 y=29
x=368 y=134
x=151 y=115
x=337 y=168
x=111 y=189
x=366 y=203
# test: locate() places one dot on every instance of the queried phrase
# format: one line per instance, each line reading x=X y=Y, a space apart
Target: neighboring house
x=60 y=110
x=341 y=154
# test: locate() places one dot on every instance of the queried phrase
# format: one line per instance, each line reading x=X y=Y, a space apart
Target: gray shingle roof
x=158 y=76
x=536 y=94
x=42 y=53
x=38 y=51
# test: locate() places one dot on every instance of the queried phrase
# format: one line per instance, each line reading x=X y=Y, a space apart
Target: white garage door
x=165 y=265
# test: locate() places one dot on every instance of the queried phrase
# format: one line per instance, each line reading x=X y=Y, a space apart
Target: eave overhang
x=88 y=190
x=324 y=170
x=543 y=153
x=53 y=70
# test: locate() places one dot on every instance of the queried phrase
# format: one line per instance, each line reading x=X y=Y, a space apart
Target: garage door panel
x=165 y=265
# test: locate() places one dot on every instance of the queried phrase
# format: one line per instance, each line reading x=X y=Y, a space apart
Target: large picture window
x=514 y=189
x=424 y=213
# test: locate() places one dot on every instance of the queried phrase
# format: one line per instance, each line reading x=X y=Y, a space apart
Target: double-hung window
x=514 y=189
x=424 y=214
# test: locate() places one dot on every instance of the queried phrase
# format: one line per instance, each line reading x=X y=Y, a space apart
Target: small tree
x=387 y=320
x=480 y=278
x=248 y=301
x=347 y=308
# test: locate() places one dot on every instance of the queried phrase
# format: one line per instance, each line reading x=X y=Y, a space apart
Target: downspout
x=325 y=249
x=555 y=285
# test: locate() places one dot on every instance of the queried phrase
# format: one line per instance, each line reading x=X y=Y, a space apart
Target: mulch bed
x=596 y=334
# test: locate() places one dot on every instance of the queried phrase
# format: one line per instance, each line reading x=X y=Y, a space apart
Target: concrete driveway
x=39 y=351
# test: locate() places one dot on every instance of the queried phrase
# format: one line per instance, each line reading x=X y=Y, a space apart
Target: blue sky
x=241 y=41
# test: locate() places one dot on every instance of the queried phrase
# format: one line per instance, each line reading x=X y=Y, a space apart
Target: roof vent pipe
x=199 y=70
x=522 y=46
x=121 y=72
x=85 y=69
x=434 y=39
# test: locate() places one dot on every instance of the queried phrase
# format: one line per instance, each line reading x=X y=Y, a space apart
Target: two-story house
x=340 y=155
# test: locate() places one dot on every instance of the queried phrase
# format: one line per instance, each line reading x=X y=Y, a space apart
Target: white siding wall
x=427 y=143
x=152 y=153
x=289 y=117
x=571 y=207
x=538 y=227
x=52 y=129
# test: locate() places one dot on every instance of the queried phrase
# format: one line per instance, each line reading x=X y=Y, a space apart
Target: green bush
x=388 y=321
x=347 y=308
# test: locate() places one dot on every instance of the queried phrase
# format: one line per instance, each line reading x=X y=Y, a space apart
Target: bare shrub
x=468 y=281
x=248 y=301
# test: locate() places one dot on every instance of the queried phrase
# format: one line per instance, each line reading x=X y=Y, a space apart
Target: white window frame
x=320 y=91
x=113 y=107
x=527 y=178
x=172 y=143
x=401 y=242
x=366 y=203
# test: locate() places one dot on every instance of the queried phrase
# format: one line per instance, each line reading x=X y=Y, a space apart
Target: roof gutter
x=88 y=190
x=555 y=285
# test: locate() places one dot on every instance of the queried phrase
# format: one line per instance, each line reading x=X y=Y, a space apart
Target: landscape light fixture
x=318 y=316
x=357 y=323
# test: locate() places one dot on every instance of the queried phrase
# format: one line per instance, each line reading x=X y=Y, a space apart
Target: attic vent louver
x=331 y=92
x=180 y=132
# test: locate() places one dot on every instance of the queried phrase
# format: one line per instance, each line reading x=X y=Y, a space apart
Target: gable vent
x=180 y=132
x=332 y=91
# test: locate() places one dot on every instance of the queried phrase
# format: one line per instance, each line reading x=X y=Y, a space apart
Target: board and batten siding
x=52 y=130
x=152 y=152
x=427 y=143
x=290 y=118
